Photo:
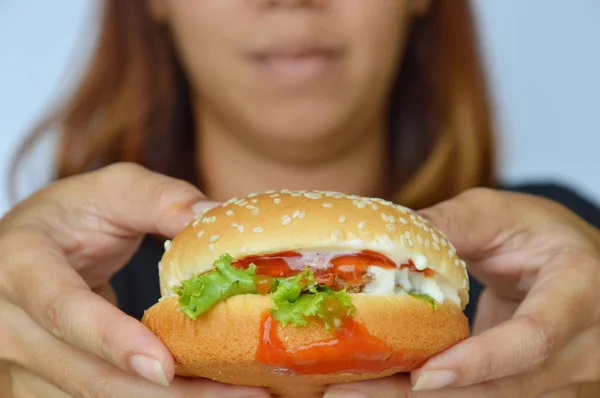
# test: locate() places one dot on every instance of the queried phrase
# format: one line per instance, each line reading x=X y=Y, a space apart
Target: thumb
x=129 y=200
x=477 y=222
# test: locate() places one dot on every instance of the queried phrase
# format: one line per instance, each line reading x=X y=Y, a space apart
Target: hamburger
x=296 y=290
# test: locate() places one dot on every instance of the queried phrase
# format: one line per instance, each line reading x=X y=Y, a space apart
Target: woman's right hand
x=59 y=337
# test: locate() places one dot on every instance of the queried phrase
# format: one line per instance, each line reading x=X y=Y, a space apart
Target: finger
x=522 y=386
x=130 y=198
x=58 y=300
x=25 y=384
x=81 y=375
x=476 y=221
x=570 y=392
x=387 y=387
x=550 y=316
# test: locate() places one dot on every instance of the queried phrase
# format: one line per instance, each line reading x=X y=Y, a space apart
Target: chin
x=296 y=290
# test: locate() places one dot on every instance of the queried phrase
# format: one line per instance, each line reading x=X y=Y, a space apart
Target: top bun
x=309 y=221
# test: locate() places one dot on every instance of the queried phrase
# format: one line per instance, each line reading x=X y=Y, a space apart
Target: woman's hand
x=59 y=334
x=537 y=332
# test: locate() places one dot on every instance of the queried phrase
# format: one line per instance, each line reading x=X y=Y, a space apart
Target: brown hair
x=133 y=105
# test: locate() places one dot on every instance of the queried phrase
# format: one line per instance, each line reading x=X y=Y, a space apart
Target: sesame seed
x=209 y=220
x=276 y=201
x=451 y=253
x=296 y=214
x=199 y=234
x=214 y=238
x=196 y=221
x=250 y=207
x=413 y=217
x=211 y=247
x=286 y=220
x=436 y=238
x=463 y=264
x=391 y=227
x=411 y=242
x=167 y=244
x=399 y=207
x=231 y=201
x=270 y=191
x=420 y=239
x=253 y=194
x=254 y=200
x=457 y=262
x=444 y=242
x=229 y=212
x=403 y=220
x=392 y=219
x=436 y=246
x=235 y=225
x=296 y=194
x=342 y=218
x=302 y=214
x=258 y=230
x=362 y=225
x=327 y=204
x=240 y=228
x=374 y=206
x=286 y=191
x=384 y=216
x=360 y=205
x=427 y=243
x=274 y=195
x=407 y=234
x=255 y=211
x=312 y=195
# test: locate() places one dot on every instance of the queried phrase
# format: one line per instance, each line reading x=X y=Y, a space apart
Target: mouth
x=296 y=60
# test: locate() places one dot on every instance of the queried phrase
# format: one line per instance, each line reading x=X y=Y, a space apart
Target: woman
x=382 y=98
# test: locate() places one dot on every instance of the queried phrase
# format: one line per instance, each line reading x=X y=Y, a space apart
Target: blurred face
x=292 y=72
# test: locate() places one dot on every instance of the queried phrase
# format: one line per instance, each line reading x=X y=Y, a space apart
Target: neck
x=229 y=168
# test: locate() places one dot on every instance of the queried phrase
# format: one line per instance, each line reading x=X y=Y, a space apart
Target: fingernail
x=434 y=379
x=345 y=394
x=149 y=368
x=204 y=206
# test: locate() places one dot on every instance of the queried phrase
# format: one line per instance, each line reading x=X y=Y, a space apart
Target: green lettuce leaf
x=296 y=299
x=299 y=298
x=427 y=298
x=201 y=292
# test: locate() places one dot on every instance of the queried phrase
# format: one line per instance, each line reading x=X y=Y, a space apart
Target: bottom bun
x=222 y=344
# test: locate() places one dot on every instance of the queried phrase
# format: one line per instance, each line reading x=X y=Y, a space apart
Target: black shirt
x=137 y=284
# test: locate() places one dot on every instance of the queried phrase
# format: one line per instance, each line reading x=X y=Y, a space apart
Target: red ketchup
x=351 y=348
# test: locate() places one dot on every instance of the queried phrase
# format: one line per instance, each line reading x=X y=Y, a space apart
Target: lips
x=296 y=59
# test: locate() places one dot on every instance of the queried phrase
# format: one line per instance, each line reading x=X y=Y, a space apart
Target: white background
x=543 y=60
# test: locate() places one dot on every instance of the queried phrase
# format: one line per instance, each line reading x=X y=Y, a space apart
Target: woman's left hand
x=537 y=331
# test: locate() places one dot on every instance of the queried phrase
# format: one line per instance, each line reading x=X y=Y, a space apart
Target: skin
x=540 y=313
x=285 y=126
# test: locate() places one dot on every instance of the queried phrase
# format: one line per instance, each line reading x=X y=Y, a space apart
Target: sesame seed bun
x=297 y=220
x=222 y=343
